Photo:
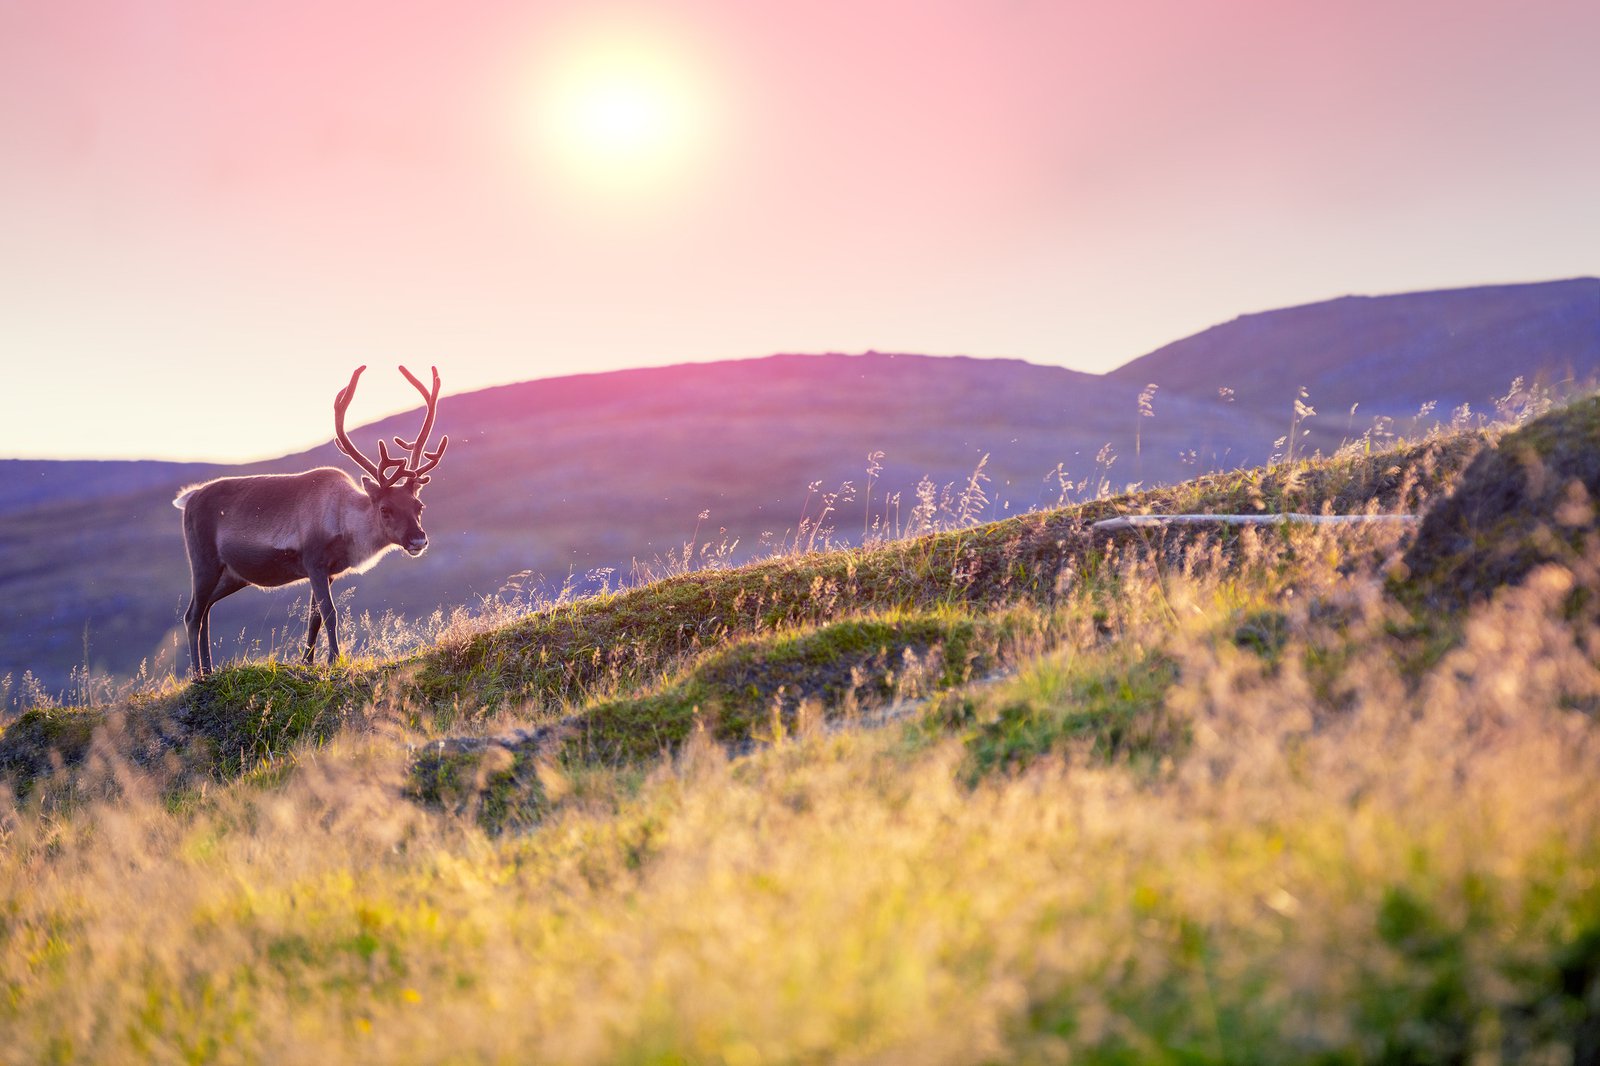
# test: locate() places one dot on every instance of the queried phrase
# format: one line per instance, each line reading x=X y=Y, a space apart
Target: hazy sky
x=211 y=211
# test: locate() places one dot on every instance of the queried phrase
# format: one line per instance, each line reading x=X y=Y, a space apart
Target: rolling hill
x=568 y=477
x=1390 y=354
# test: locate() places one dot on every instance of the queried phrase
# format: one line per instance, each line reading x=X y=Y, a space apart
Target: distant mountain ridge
x=563 y=476
x=1390 y=354
x=27 y=483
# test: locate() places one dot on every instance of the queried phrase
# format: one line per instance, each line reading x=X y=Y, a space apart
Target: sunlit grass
x=1190 y=798
x=1410 y=876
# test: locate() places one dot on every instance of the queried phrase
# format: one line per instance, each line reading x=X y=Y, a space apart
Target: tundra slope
x=937 y=592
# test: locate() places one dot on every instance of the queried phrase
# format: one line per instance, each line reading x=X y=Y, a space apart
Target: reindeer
x=278 y=529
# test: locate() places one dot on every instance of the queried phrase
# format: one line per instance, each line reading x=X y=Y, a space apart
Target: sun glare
x=618 y=114
x=620 y=118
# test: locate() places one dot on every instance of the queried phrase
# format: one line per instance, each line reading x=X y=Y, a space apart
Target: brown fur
x=278 y=529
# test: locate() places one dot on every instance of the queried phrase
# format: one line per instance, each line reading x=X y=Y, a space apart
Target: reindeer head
x=394 y=483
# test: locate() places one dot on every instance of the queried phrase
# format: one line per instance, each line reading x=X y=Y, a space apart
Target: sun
x=619 y=112
x=622 y=116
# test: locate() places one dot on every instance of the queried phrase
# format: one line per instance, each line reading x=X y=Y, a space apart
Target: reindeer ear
x=371 y=488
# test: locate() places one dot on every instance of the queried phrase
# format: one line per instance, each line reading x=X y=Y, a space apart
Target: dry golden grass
x=1313 y=853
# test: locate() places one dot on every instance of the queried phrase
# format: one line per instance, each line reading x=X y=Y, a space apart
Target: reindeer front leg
x=313 y=627
x=322 y=606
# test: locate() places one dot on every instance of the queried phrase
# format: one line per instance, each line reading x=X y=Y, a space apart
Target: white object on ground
x=1145 y=521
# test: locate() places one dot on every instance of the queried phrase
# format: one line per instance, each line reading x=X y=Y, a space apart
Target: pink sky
x=210 y=212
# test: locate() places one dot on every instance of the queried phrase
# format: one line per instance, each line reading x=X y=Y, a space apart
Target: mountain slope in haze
x=1390 y=354
x=30 y=483
x=568 y=475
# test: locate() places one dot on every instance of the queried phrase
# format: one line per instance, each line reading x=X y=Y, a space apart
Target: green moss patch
x=753 y=691
x=43 y=740
x=249 y=714
x=1111 y=703
x=496 y=785
x=231 y=722
x=757 y=690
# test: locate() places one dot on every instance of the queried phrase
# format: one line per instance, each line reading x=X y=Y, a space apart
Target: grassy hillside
x=1015 y=792
x=641 y=455
x=570 y=477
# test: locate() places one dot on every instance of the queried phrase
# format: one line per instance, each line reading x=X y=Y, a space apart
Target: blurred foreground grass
x=1149 y=798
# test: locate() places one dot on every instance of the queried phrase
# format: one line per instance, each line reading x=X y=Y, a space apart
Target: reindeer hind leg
x=195 y=618
x=226 y=586
x=205 y=571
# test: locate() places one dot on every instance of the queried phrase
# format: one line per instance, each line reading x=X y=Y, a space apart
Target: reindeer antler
x=386 y=471
x=415 y=468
